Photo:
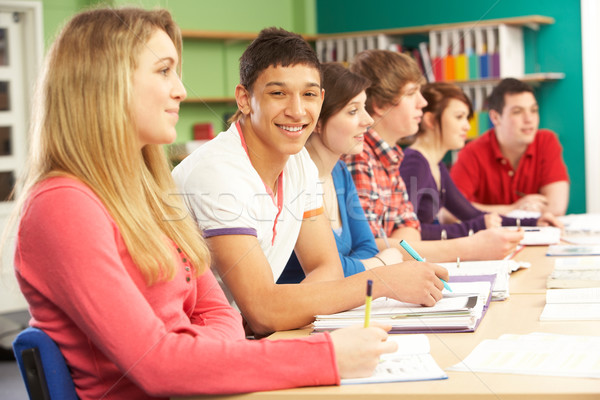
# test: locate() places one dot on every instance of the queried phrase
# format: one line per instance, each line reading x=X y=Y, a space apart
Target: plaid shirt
x=382 y=192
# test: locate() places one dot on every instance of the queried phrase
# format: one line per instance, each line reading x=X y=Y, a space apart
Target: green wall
x=210 y=67
x=554 y=48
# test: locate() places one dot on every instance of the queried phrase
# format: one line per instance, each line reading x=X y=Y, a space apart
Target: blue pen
x=417 y=257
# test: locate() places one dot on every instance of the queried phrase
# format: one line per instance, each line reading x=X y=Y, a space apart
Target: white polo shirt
x=226 y=196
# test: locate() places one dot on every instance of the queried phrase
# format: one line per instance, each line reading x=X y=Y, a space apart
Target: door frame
x=590 y=32
x=11 y=298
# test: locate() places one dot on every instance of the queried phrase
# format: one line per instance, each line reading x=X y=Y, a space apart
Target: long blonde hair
x=82 y=127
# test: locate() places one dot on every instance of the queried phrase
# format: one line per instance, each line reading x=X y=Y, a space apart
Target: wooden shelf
x=532 y=21
x=530 y=78
x=228 y=35
x=217 y=35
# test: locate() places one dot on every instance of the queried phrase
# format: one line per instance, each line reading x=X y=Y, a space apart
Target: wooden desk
x=519 y=315
x=532 y=280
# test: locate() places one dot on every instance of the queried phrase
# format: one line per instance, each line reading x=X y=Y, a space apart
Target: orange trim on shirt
x=312 y=213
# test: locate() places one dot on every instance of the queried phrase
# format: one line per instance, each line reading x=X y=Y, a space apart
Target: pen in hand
x=368 y=302
x=417 y=257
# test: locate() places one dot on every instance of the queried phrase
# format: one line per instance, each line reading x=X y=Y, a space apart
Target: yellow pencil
x=368 y=303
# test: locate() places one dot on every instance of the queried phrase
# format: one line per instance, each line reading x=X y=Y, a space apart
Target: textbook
x=459 y=311
x=582 y=304
x=536 y=354
x=582 y=229
x=573 y=250
x=575 y=272
x=411 y=362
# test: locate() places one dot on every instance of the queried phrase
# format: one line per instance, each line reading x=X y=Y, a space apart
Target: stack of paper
x=581 y=223
x=573 y=250
x=536 y=354
x=538 y=235
x=501 y=269
x=412 y=362
x=575 y=272
x=581 y=229
x=542 y=235
x=460 y=311
x=572 y=305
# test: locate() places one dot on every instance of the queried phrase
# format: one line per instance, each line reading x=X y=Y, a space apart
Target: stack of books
x=459 y=311
x=575 y=272
x=582 y=304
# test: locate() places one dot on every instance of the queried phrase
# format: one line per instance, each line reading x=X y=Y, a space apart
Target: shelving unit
x=350 y=43
x=531 y=21
x=392 y=35
x=474 y=55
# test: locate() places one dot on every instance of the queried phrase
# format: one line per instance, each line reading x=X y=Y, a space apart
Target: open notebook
x=500 y=268
x=411 y=362
x=459 y=311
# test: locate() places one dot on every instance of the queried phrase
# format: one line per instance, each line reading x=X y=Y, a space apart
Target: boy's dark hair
x=507 y=86
x=275 y=47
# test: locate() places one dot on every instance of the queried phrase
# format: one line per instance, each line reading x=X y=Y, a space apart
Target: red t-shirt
x=485 y=176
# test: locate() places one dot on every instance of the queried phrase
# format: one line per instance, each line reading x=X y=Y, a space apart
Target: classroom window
x=5 y=141
x=7 y=182
x=4 y=96
x=3 y=48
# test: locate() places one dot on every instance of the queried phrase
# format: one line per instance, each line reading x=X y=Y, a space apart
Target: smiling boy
x=255 y=193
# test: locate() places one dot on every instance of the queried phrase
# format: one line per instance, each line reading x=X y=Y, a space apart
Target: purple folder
x=452 y=329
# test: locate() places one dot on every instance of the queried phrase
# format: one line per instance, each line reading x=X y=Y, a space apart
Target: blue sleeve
x=351 y=265
x=357 y=242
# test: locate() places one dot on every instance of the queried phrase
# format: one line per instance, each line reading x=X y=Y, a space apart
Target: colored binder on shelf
x=461 y=72
x=416 y=54
x=447 y=54
x=350 y=49
x=484 y=121
x=482 y=55
x=494 y=55
x=511 y=51
x=449 y=68
x=427 y=66
x=471 y=54
x=340 y=51
x=437 y=54
x=474 y=130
